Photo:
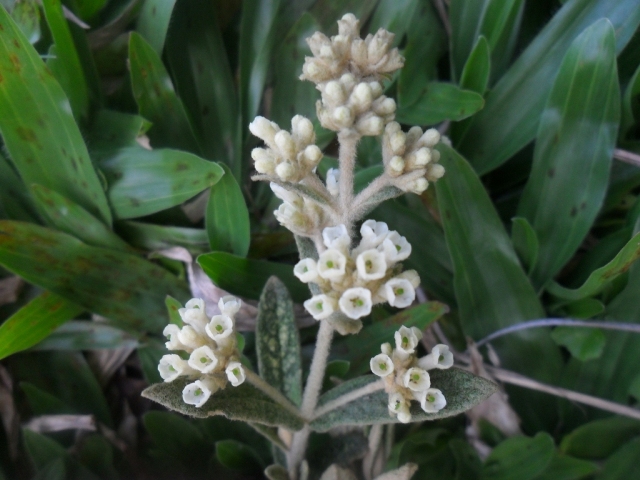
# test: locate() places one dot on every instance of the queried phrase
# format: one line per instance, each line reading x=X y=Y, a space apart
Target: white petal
x=356 y=302
x=406 y=340
x=197 y=393
x=440 y=357
x=433 y=401
x=191 y=338
x=229 y=305
x=306 y=270
x=220 y=327
x=172 y=331
x=203 y=359
x=235 y=373
x=320 y=306
x=331 y=265
x=371 y=265
x=396 y=248
x=336 y=237
x=399 y=292
x=416 y=379
x=381 y=365
x=172 y=366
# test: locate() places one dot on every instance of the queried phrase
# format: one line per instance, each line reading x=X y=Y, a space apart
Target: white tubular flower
x=331 y=264
x=433 y=401
x=220 y=328
x=373 y=233
x=172 y=331
x=381 y=365
x=320 y=306
x=371 y=265
x=306 y=270
x=172 y=366
x=356 y=302
x=203 y=359
x=336 y=237
x=198 y=392
x=386 y=349
x=395 y=247
x=235 y=373
x=416 y=379
x=407 y=339
x=399 y=292
x=333 y=177
x=229 y=305
x=440 y=357
x=190 y=338
x=400 y=407
x=194 y=314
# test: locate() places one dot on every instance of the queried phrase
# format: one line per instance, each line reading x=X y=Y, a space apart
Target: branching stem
x=271 y=392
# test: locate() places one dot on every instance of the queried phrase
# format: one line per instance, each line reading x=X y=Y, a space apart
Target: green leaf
x=462 y=390
x=26 y=14
x=34 y=322
x=278 y=342
x=336 y=369
x=574 y=146
x=227 y=217
x=563 y=467
x=127 y=289
x=38 y=128
x=328 y=12
x=204 y=80
x=83 y=335
x=585 y=308
x=143 y=181
x=519 y=457
x=392 y=15
x=245 y=403
x=438 y=102
x=491 y=288
x=623 y=464
x=14 y=197
x=525 y=242
x=359 y=349
x=475 y=75
x=246 y=277
x=159 y=237
x=464 y=18
x=96 y=453
x=237 y=456
x=631 y=105
x=601 y=277
x=41 y=449
x=42 y=402
x=173 y=306
x=111 y=130
x=71 y=218
x=583 y=343
x=157 y=100
x=150 y=354
x=611 y=433
x=153 y=22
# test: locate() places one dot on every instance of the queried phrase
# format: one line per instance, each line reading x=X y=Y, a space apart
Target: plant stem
x=347 y=163
x=271 y=392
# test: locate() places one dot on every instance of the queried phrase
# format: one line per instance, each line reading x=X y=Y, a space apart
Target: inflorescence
x=209 y=355
x=406 y=377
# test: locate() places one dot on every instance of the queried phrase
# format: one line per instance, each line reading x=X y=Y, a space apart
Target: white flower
x=336 y=237
x=198 y=392
x=416 y=379
x=407 y=339
x=399 y=292
x=194 y=314
x=235 y=373
x=395 y=247
x=220 y=327
x=440 y=357
x=172 y=366
x=373 y=233
x=306 y=270
x=356 y=302
x=190 y=338
x=320 y=306
x=172 y=331
x=433 y=400
x=331 y=264
x=371 y=265
x=203 y=359
x=386 y=349
x=229 y=305
x=400 y=407
x=333 y=177
x=412 y=276
x=381 y=365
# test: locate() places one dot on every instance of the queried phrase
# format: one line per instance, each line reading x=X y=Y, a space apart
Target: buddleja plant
x=350 y=265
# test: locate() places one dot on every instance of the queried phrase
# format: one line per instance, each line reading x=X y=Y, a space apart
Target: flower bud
x=376 y=89
x=312 y=155
x=435 y=171
x=370 y=126
x=264 y=129
x=430 y=138
x=385 y=106
x=264 y=162
x=285 y=144
x=229 y=305
x=396 y=166
x=333 y=177
x=419 y=185
x=302 y=130
x=343 y=117
x=361 y=97
x=285 y=171
x=334 y=92
x=349 y=25
x=397 y=142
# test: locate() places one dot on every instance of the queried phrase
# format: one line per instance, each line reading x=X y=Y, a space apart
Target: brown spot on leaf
x=28 y=135
x=16 y=62
x=16 y=43
x=583 y=205
x=574 y=212
x=143 y=72
x=181 y=167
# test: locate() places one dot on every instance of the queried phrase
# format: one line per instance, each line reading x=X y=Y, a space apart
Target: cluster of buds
x=347 y=70
x=413 y=151
x=353 y=280
x=296 y=213
x=290 y=156
x=406 y=377
x=210 y=355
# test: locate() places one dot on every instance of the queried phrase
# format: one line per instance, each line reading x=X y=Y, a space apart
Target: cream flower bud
x=172 y=331
x=172 y=366
x=397 y=142
x=264 y=163
x=312 y=155
x=264 y=129
x=359 y=51
x=381 y=365
x=422 y=157
x=385 y=106
x=396 y=166
x=334 y=93
x=235 y=373
x=306 y=270
x=376 y=89
x=190 y=338
x=362 y=96
x=432 y=401
x=285 y=171
x=419 y=186
x=413 y=135
x=370 y=126
x=312 y=71
x=302 y=130
x=198 y=392
x=203 y=359
x=336 y=237
x=440 y=357
x=331 y=265
x=416 y=379
x=289 y=215
x=349 y=25
x=356 y=302
x=412 y=276
x=435 y=154
x=379 y=45
x=284 y=194
x=435 y=171
x=386 y=348
x=400 y=407
x=371 y=265
x=395 y=247
x=220 y=328
x=348 y=81
x=392 y=128
x=194 y=314
x=229 y=305
x=343 y=117
x=430 y=138
x=373 y=233
x=285 y=144
x=399 y=292
x=333 y=177
x=407 y=339
x=320 y=306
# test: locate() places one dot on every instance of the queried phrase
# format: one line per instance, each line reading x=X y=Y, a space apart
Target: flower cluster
x=289 y=156
x=210 y=350
x=406 y=377
x=347 y=70
x=413 y=151
x=353 y=280
x=296 y=213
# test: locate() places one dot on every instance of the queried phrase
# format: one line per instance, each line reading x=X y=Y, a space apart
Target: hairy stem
x=347 y=163
x=271 y=392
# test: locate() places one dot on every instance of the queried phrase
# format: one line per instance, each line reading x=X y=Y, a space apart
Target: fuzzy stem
x=271 y=392
x=347 y=162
